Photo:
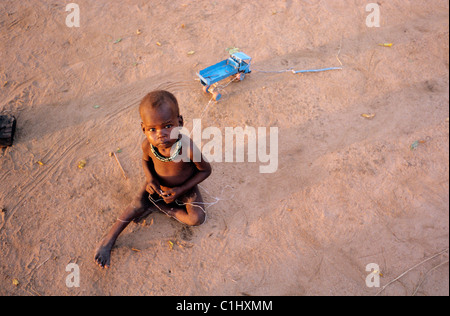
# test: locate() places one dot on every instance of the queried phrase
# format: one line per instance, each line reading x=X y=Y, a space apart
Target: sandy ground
x=349 y=191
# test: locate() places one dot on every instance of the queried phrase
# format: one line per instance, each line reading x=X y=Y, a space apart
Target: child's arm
x=153 y=185
x=203 y=171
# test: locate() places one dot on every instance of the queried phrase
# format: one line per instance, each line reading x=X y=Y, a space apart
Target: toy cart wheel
x=216 y=96
x=240 y=76
x=206 y=89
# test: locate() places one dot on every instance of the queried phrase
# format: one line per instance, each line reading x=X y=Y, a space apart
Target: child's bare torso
x=172 y=173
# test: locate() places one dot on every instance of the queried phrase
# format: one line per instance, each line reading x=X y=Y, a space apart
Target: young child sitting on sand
x=171 y=182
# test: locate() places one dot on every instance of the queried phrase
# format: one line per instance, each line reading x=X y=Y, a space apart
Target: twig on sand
x=33 y=291
x=426 y=274
x=339 y=52
x=407 y=271
x=42 y=263
x=118 y=162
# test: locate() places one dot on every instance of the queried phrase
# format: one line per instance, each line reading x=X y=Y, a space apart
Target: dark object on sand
x=7 y=130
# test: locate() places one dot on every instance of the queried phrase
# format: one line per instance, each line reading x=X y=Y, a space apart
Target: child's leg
x=190 y=211
x=134 y=211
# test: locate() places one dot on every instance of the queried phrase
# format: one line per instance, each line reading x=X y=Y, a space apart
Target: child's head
x=160 y=114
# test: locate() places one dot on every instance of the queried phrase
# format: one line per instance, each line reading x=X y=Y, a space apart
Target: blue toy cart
x=238 y=65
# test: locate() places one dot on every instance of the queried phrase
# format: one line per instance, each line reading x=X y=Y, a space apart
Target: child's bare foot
x=103 y=256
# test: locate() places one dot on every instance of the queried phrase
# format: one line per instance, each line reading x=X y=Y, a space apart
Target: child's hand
x=171 y=195
x=153 y=187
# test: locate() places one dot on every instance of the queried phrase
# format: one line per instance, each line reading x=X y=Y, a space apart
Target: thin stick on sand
x=426 y=274
x=118 y=162
x=339 y=52
x=404 y=273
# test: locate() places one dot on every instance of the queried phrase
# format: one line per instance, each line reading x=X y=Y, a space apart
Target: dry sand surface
x=348 y=191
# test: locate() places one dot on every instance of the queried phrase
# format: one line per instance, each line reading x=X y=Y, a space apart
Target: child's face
x=157 y=125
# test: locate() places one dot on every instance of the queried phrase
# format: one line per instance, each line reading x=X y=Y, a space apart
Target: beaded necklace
x=166 y=159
